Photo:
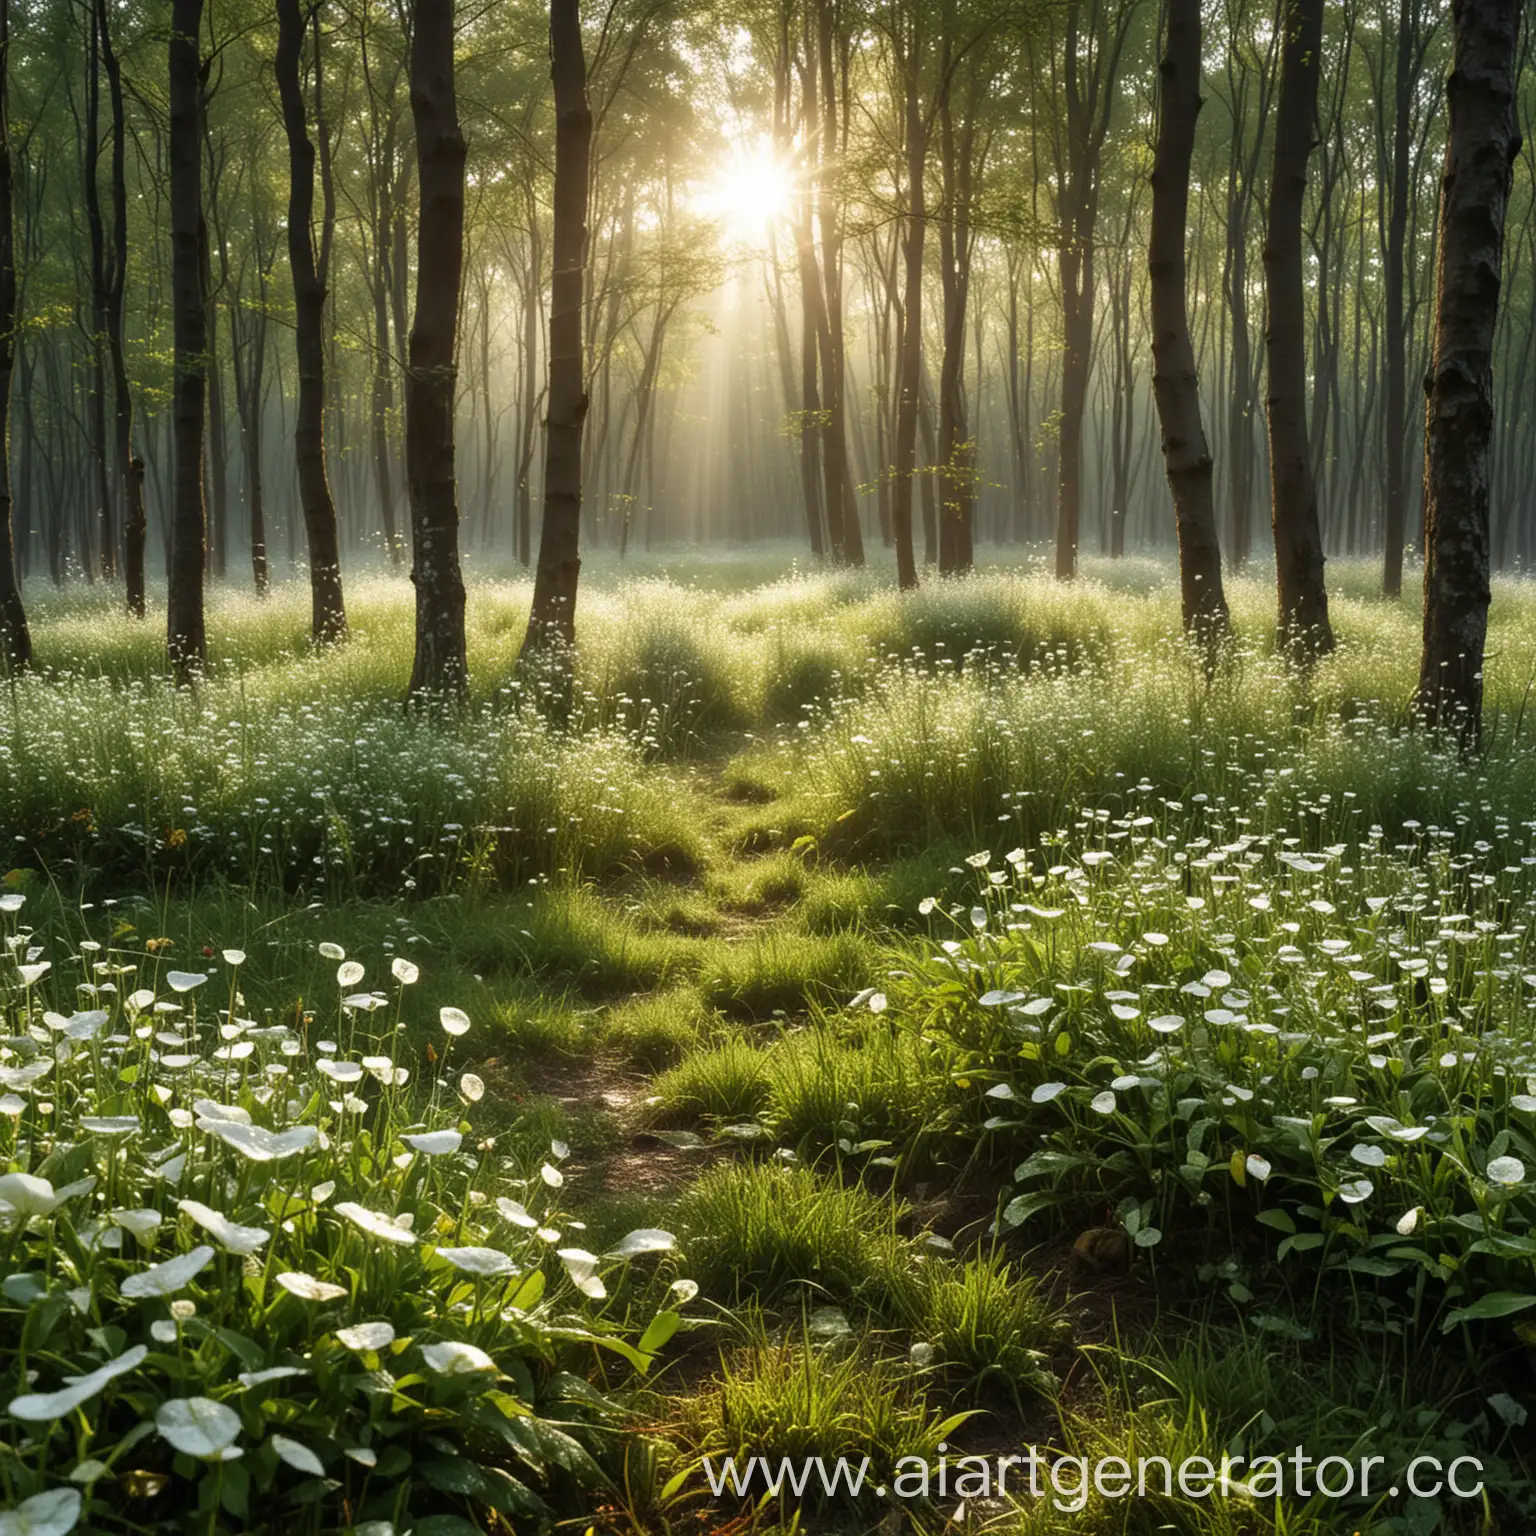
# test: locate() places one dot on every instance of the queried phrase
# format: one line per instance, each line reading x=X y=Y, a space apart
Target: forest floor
x=932 y=986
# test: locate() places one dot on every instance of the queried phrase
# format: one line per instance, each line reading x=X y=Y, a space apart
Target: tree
x=15 y=639
x=1304 y=629
x=1089 y=66
x=441 y=668
x=1481 y=144
x=130 y=466
x=1175 y=382
x=186 y=635
x=328 y=615
x=552 y=620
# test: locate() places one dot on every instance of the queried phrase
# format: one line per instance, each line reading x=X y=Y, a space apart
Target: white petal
x=198 y=1426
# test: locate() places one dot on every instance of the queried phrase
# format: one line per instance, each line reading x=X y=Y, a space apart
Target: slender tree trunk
x=15 y=638
x=552 y=621
x=1175 y=382
x=1395 y=416
x=100 y=477
x=909 y=371
x=1481 y=145
x=1304 y=628
x=533 y=278
x=130 y=467
x=187 y=639
x=441 y=667
x=328 y=614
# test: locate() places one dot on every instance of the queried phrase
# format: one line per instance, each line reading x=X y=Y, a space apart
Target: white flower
x=581 y=1266
x=308 y=1288
x=44 y=1407
x=258 y=1143
x=1506 y=1170
x=515 y=1213
x=109 y=1125
x=349 y=974
x=185 y=981
x=28 y=1195
x=299 y=1457
x=454 y=1020
x=143 y=1222
x=1103 y=1103
x=231 y=1234
x=54 y=1513
x=32 y=974
x=374 y=1223
x=1353 y=1191
x=364 y=1456
x=234 y=957
x=642 y=1240
x=11 y=901
x=683 y=1291
x=472 y=1087
x=434 y=1143
x=1408 y=1223
x=333 y=952
x=551 y=1176
x=486 y=1262
x=406 y=972
x=198 y=1426
x=455 y=1359
x=167 y=1278
x=1166 y=1023
x=1258 y=1167
x=341 y=1071
x=365 y=1338
x=1045 y=1092
x=249 y=1379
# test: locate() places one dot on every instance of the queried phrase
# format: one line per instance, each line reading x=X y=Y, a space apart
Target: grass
x=831 y=920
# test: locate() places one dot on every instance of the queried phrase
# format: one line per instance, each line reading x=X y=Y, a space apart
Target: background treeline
x=747 y=387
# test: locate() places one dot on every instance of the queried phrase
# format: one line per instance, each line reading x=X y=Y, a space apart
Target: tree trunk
x=552 y=621
x=910 y=363
x=441 y=667
x=1481 y=144
x=15 y=638
x=1303 y=627
x=130 y=466
x=1175 y=382
x=100 y=478
x=1395 y=416
x=186 y=637
x=328 y=615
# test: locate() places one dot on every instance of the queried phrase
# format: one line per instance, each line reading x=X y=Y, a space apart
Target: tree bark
x=1481 y=144
x=1395 y=416
x=910 y=362
x=130 y=466
x=441 y=667
x=186 y=636
x=552 y=621
x=100 y=477
x=15 y=638
x=328 y=614
x=1175 y=381
x=1304 y=628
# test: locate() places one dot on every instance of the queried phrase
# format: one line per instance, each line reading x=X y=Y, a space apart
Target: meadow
x=850 y=1023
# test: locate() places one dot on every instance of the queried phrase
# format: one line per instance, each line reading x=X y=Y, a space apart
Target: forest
x=763 y=767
